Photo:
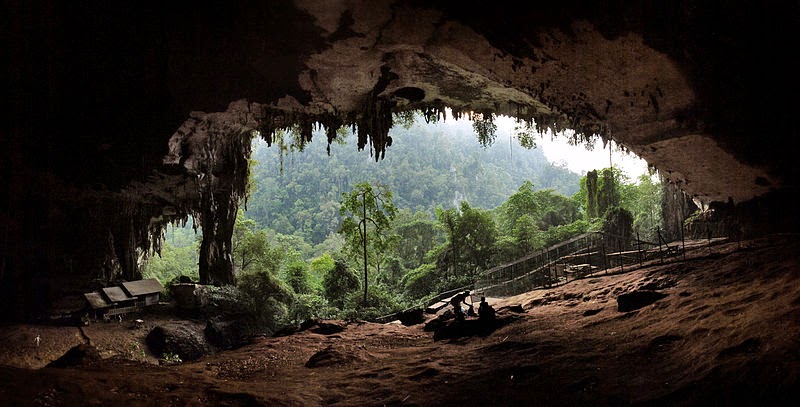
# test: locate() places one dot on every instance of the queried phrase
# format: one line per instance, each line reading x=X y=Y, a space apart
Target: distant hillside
x=426 y=166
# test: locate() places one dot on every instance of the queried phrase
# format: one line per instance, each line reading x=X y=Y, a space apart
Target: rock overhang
x=137 y=105
x=636 y=74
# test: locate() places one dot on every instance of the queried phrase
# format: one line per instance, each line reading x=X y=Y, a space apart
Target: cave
x=123 y=118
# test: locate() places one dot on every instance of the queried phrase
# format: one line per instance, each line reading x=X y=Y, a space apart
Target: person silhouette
x=456 y=302
x=485 y=311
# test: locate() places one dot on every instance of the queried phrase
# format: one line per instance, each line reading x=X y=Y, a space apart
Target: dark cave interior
x=122 y=118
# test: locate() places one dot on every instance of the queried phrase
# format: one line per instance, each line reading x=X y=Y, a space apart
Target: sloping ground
x=725 y=330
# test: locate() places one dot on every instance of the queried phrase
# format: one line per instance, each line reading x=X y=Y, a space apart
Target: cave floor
x=726 y=333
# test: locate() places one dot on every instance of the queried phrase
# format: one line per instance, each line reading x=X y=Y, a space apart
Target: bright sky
x=577 y=158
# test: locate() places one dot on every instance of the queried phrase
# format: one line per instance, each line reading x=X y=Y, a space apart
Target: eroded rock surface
x=124 y=118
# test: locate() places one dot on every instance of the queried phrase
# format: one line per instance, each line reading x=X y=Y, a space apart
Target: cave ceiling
x=117 y=82
x=150 y=104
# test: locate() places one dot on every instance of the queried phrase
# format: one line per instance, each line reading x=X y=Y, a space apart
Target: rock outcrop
x=125 y=118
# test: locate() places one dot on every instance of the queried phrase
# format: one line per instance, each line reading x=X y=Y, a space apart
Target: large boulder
x=178 y=338
x=189 y=296
x=80 y=355
x=412 y=316
x=225 y=334
x=328 y=327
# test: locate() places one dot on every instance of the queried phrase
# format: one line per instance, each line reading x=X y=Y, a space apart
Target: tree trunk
x=676 y=206
x=125 y=248
x=216 y=261
x=364 y=241
x=591 y=193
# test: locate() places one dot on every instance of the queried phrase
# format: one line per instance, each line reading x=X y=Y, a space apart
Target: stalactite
x=220 y=170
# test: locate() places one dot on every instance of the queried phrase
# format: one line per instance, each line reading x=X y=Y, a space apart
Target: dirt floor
x=725 y=332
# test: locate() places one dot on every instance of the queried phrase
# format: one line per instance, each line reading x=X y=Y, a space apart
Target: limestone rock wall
x=123 y=117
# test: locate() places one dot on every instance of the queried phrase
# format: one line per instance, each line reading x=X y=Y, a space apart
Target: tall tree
x=338 y=283
x=555 y=209
x=297 y=277
x=367 y=214
x=644 y=202
x=591 y=194
x=418 y=235
x=471 y=235
x=608 y=195
x=303 y=200
x=251 y=247
x=478 y=233
x=521 y=203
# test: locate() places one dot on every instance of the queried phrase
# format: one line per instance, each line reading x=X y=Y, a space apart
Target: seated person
x=485 y=311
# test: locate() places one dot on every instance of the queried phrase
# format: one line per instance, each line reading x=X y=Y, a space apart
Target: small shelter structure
x=117 y=296
x=147 y=291
x=127 y=297
x=96 y=301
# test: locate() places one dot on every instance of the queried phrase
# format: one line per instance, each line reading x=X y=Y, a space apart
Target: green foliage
x=619 y=226
x=320 y=267
x=418 y=234
x=259 y=300
x=507 y=249
x=308 y=307
x=136 y=352
x=293 y=247
x=608 y=193
x=421 y=281
x=526 y=133
x=379 y=303
x=521 y=203
x=485 y=129
x=561 y=233
x=405 y=119
x=527 y=235
x=304 y=200
x=333 y=243
x=251 y=248
x=225 y=300
x=471 y=235
x=170 y=359
x=172 y=262
x=294 y=215
x=263 y=298
x=297 y=277
x=338 y=283
x=644 y=202
x=391 y=272
x=477 y=234
x=555 y=209
x=642 y=199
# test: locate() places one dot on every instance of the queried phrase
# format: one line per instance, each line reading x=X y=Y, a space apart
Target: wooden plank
x=142 y=287
x=96 y=301
x=116 y=294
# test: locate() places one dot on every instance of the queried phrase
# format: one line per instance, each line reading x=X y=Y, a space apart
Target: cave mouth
x=82 y=200
x=512 y=136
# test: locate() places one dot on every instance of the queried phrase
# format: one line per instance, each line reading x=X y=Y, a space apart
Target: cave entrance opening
x=294 y=186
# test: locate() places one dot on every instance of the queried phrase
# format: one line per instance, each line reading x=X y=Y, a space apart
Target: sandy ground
x=727 y=332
